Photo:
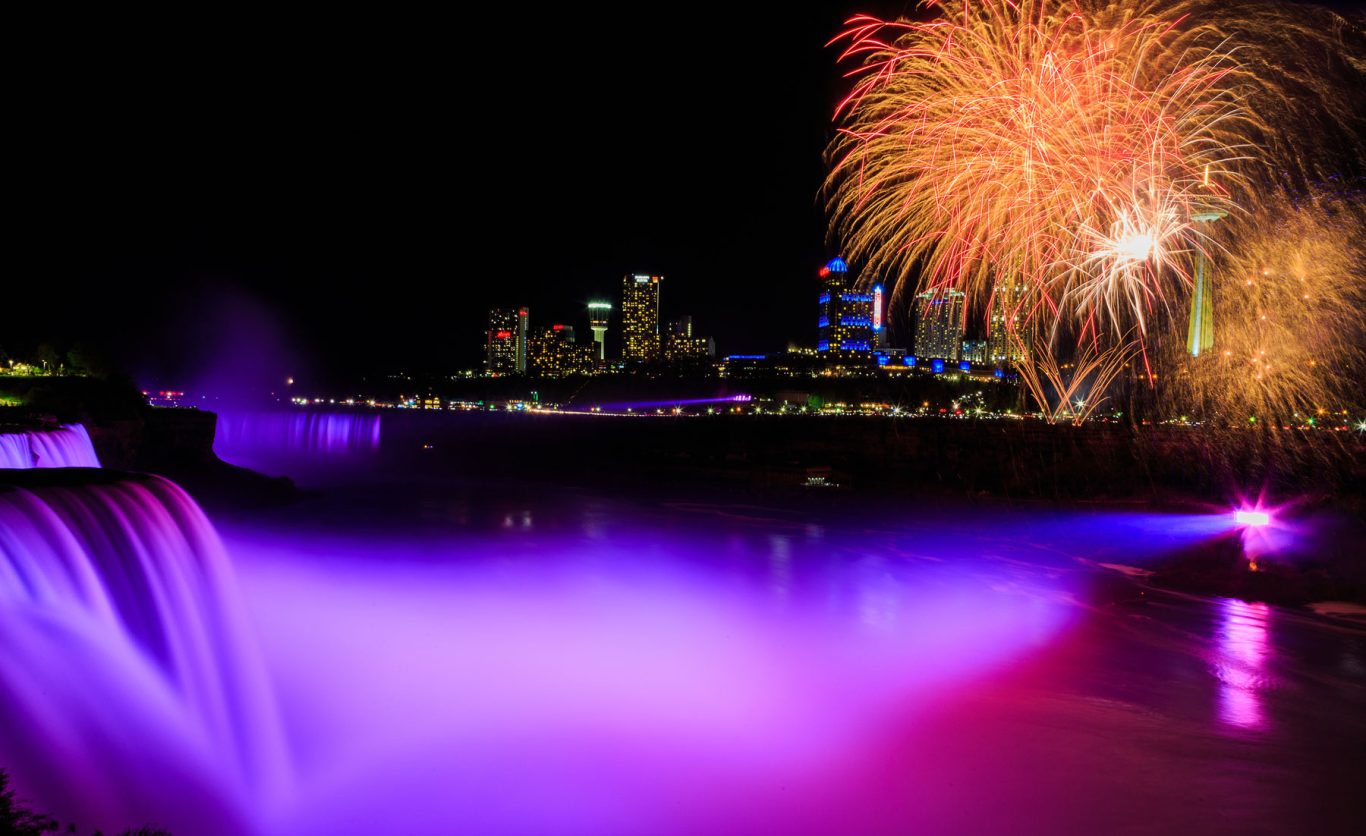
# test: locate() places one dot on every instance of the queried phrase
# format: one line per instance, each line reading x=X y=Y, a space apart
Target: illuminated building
x=974 y=351
x=806 y=363
x=598 y=315
x=939 y=324
x=891 y=359
x=506 y=342
x=744 y=365
x=681 y=346
x=845 y=320
x=1004 y=341
x=553 y=352
x=879 y=318
x=640 y=318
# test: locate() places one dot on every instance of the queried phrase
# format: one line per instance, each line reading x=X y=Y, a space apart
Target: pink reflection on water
x=526 y=665
x=607 y=688
x=1241 y=665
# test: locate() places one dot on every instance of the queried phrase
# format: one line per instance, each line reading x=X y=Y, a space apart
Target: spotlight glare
x=1251 y=518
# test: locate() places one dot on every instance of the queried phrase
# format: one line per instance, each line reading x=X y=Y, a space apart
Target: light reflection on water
x=682 y=659
x=1241 y=668
x=616 y=660
x=532 y=660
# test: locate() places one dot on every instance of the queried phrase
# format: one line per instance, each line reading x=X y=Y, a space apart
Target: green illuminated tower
x=1200 y=335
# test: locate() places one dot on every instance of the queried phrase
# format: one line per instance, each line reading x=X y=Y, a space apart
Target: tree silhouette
x=15 y=820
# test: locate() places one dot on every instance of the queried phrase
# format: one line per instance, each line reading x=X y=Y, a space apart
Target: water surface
x=451 y=634
x=518 y=655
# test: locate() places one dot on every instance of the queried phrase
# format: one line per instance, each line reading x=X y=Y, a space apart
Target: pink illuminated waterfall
x=125 y=647
x=66 y=446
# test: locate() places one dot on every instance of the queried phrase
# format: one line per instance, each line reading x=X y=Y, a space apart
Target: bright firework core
x=1135 y=247
x=1251 y=518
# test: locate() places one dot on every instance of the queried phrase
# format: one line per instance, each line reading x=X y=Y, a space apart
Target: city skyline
x=330 y=230
x=853 y=323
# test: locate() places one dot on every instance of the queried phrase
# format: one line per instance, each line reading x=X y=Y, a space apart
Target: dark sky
x=343 y=192
x=368 y=185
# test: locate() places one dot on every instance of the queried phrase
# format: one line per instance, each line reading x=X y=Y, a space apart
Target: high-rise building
x=939 y=324
x=1007 y=333
x=879 y=319
x=599 y=313
x=640 y=318
x=845 y=320
x=506 y=341
x=553 y=352
x=680 y=345
x=974 y=351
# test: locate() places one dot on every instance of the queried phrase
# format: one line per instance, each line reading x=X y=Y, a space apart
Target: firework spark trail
x=1066 y=148
x=1024 y=134
x=1291 y=342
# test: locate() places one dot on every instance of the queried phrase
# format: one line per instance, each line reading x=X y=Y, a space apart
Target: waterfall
x=126 y=657
x=308 y=433
x=67 y=446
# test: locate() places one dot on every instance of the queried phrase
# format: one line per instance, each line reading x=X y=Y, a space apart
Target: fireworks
x=1070 y=149
x=1076 y=389
x=1289 y=345
x=1034 y=139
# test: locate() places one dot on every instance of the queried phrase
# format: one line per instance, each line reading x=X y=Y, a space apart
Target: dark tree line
x=16 y=820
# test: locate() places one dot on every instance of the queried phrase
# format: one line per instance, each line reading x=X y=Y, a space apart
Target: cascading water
x=67 y=446
x=126 y=673
x=307 y=433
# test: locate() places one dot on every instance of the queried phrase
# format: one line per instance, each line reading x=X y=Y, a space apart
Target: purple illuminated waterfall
x=126 y=677
x=67 y=446
x=299 y=433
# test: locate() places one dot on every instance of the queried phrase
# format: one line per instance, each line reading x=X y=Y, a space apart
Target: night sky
x=339 y=194
x=352 y=193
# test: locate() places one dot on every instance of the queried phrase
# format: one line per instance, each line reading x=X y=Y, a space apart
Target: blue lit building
x=845 y=323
